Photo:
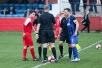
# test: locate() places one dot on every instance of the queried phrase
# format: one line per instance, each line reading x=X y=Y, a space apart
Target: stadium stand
x=15 y=15
x=17 y=6
x=0 y=6
x=20 y=15
x=5 y=6
x=30 y=6
x=41 y=6
x=35 y=6
x=21 y=11
x=50 y=5
x=2 y=16
x=20 y=8
x=23 y=6
x=8 y=15
x=11 y=5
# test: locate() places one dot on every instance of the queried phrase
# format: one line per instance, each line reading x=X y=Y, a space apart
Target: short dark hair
x=68 y=9
x=40 y=11
x=32 y=12
x=46 y=7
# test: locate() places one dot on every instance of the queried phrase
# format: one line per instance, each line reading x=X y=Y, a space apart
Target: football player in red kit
x=27 y=38
x=57 y=27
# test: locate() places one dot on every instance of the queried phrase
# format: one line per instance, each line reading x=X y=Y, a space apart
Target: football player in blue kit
x=72 y=26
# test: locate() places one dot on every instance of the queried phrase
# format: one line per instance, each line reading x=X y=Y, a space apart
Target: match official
x=45 y=23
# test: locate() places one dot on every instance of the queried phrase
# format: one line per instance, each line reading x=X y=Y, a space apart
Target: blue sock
x=75 y=52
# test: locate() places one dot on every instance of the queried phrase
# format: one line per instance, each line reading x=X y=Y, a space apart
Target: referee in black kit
x=45 y=23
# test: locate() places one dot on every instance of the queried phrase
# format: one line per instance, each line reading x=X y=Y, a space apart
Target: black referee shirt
x=36 y=21
x=46 y=21
x=63 y=25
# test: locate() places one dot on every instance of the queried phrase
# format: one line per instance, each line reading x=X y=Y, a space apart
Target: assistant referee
x=45 y=23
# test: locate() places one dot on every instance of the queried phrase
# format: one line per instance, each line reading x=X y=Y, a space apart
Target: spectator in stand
x=73 y=3
x=84 y=5
x=93 y=3
x=4 y=11
x=35 y=1
x=26 y=14
x=25 y=1
x=77 y=5
x=101 y=4
x=11 y=11
x=13 y=1
x=41 y=1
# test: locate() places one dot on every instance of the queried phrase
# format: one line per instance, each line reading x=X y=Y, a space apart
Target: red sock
x=32 y=53
x=24 y=53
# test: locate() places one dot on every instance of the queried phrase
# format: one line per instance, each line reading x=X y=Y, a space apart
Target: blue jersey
x=71 y=25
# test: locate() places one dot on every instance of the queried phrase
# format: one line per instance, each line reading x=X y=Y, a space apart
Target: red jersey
x=27 y=25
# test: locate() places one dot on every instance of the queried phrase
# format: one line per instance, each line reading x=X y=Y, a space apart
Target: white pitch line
x=37 y=66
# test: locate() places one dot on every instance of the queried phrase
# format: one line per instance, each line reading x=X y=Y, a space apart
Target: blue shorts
x=73 y=39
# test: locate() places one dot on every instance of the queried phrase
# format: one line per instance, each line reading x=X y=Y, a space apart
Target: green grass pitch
x=11 y=52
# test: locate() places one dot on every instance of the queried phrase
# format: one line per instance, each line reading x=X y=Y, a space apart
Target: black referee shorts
x=47 y=36
x=64 y=37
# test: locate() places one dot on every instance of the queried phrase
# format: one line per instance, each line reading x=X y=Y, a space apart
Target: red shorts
x=27 y=40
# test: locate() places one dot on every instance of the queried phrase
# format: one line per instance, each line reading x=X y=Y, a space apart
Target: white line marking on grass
x=37 y=66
